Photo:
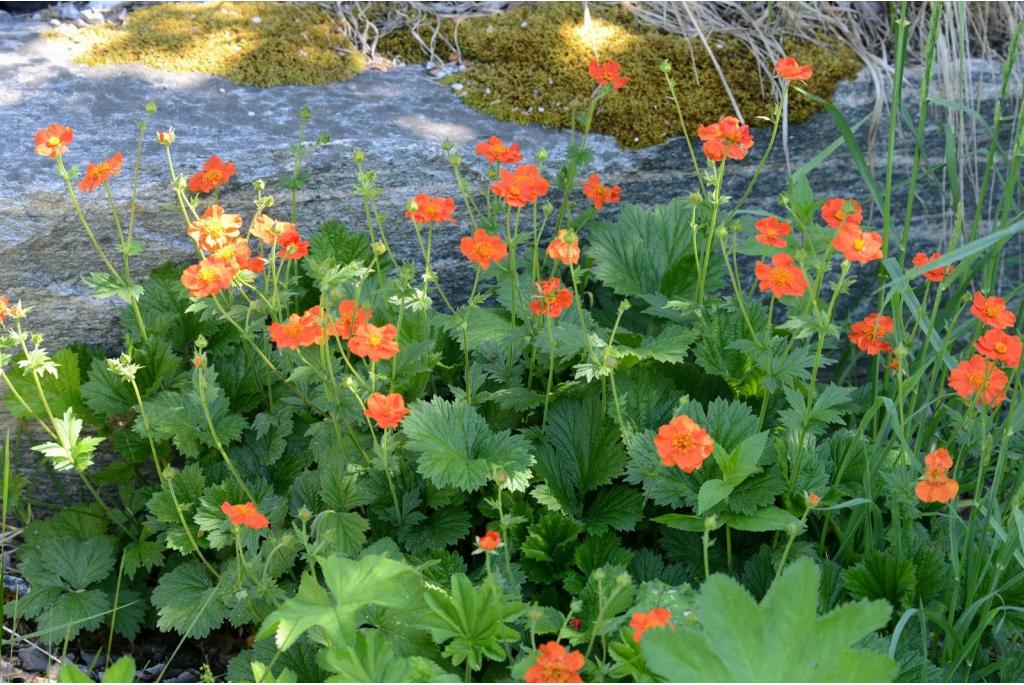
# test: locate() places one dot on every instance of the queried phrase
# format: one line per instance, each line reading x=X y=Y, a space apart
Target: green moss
x=289 y=43
x=532 y=73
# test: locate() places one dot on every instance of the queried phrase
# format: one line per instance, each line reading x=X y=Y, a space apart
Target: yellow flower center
x=212 y=176
x=858 y=244
x=53 y=141
x=208 y=274
x=1001 y=347
x=682 y=442
x=375 y=339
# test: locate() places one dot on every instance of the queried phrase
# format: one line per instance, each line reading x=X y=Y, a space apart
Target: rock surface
x=399 y=118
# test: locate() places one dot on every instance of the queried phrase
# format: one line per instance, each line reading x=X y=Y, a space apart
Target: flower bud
x=259 y=185
x=599 y=575
x=501 y=476
x=575 y=606
x=665 y=66
x=710 y=523
x=379 y=248
x=542 y=155
x=535 y=614
x=165 y=137
x=151 y=107
x=305 y=114
x=548 y=209
x=811 y=500
x=900 y=351
x=358 y=156
x=447 y=145
x=305 y=514
x=323 y=139
x=623 y=579
x=201 y=342
x=455 y=160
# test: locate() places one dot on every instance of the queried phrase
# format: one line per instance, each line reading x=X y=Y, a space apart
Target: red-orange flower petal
x=839 y=213
x=495 y=151
x=783 y=277
x=208 y=277
x=552 y=298
x=934 y=275
x=245 y=515
x=992 y=311
x=350 y=318
x=1000 y=346
x=608 y=72
x=377 y=343
x=387 y=410
x=297 y=331
x=978 y=380
x=726 y=138
x=97 y=174
x=684 y=444
x=641 y=621
x=53 y=140
x=489 y=541
x=522 y=186
x=565 y=248
x=858 y=246
x=791 y=70
x=555 y=665
x=600 y=194
x=869 y=334
x=290 y=244
x=772 y=232
x=425 y=209
x=214 y=174
x=483 y=248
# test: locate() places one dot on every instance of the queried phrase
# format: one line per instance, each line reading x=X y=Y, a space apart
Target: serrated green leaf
x=188 y=601
x=457 y=448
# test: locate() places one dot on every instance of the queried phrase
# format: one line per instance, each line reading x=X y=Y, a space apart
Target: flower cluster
x=936 y=485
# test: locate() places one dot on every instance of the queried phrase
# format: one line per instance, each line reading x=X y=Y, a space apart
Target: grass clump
x=251 y=43
x=528 y=65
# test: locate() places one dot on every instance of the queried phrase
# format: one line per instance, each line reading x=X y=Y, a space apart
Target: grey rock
x=399 y=118
x=68 y=11
x=32 y=659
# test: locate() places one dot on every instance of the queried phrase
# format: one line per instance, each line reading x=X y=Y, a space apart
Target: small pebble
x=457 y=87
x=524 y=25
x=32 y=659
x=256 y=20
x=252 y=114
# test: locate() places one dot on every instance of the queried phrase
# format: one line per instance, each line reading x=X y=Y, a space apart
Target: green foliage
x=470 y=622
x=457 y=448
x=782 y=638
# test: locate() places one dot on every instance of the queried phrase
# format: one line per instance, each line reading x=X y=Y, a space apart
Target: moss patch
x=252 y=43
x=528 y=64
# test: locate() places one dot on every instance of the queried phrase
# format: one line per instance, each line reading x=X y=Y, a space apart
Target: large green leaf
x=188 y=601
x=578 y=451
x=649 y=251
x=351 y=585
x=457 y=448
x=782 y=639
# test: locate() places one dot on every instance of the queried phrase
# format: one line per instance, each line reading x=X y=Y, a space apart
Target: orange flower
x=935 y=275
x=789 y=69
x=771 y=231
x=783 y=277
x=488 y=542
x=5 y=307
x=377 y=343
x=812 y=500
x=992 y=311
x=214 y=174
x=239 y=252
x=387 y=410
x=245 y=515
x=215 y=229
x=53 y=140
x=599 y=194
x=425 y=209
x=268 y=230
x=839 y=213
x=165 y=137
x=978 y=380
x=857 y=245
x=565 y=248
x=350 y=318
x=608 y=72
x=1000 y=346
x=208 y=277
x=555 y=665
x=521 y=186
x=936 y=485
x=682 y=443
x=641 y=622
x=290 y=244
x=869 y=333
x=552 y=298
x=297 y=331
x=483 y=248
x=728 y=138
x=495 y=151
x=98 y=174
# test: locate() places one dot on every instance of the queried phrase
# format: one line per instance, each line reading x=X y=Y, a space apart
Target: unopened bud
x=447 y=145
x=623 y=579
x=379 y=248
x=150 y=107
x=665 y=66
x=710 y=523
x=535 y=614
x=358 y=156
x=305 y=514
x=599 y=575
x=542 y=155
x=165 y=137
x=259 y=185
x=305 y=114
x=201 y=342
